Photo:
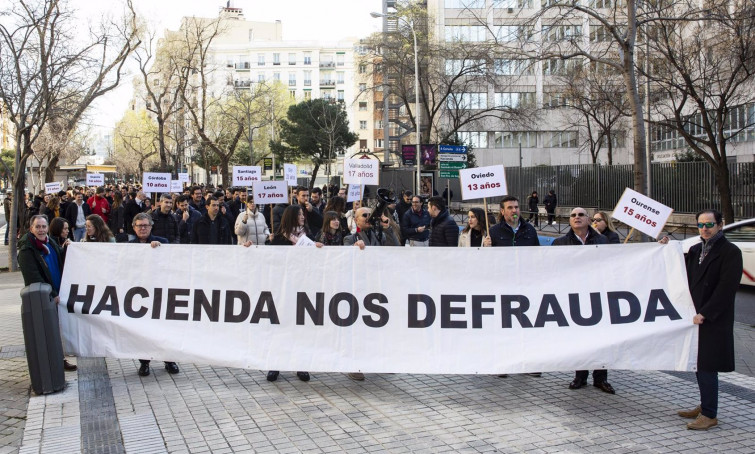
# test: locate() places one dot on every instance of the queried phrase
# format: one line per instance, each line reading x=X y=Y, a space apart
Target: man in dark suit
x=714 y=269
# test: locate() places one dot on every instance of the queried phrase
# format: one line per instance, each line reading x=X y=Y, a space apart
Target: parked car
x=742 y=234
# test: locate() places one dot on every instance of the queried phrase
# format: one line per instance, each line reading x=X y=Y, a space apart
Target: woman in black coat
x=714 y=269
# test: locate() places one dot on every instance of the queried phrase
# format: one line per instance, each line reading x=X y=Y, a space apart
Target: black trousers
x=598 y=375
x=708 y=384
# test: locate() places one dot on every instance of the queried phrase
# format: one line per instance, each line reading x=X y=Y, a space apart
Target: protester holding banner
x=714 y=269
x=512 y=230
x=338 y=204
x=59 y=232
x=250 y=226
x=99 y=204
x=41 y=260
x=474 y=231
x=603 y=223
x=97 y=231
x=76 y=215
x=415 y=224
x=331 y=233
x=212 y=227
x=444 y=231
x=579 y=234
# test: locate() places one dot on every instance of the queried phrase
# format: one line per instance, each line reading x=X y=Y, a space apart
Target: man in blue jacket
x=415 y=224
x=512 y=230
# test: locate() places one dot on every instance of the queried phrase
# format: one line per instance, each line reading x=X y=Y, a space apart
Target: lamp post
x=418 y=153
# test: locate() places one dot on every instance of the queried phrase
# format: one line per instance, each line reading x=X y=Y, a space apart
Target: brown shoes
x=68 y=366
x=356 y=376
x=702 y=423
x=691 y=414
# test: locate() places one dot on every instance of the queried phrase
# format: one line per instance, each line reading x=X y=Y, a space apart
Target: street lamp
x=417 y=109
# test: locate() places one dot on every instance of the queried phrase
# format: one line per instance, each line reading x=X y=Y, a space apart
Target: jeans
x=708 y=384
x=7 y=230
x=78 y=233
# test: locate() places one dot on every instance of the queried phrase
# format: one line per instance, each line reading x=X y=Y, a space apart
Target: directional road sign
x=452 y=157
x=449 y=174
x=445 y=165
x=451 y=149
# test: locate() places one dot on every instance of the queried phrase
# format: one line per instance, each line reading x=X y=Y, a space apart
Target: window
x=465 y=67
x=340 y=59
x=292 y=94
x=307 y=78
x=599 y=34
x=260 y=59
x=340 y=95
x=558 y=67
x=560 y=139
x=474 y=138
x=618 y=140
x=514 y=100
x=555 y=33
x=513 y=33
x=467 y=101
x=379 y=124
x=512 y=4
x=555 y=100
x=606 y=4
x=362 y=87
x=362 y=144
x=468 y=33
x=509 y=139
x=276 y=58
x=512 y=67
x=362 y=124
x=378 y=143
x=362 y=68
x=340 y=77
x=362 y=106
x=307 y=94
x=291 y=79
x=291 y=58
x=261 y=77
x=462 y=4
x=307 y=58
x=277 y=77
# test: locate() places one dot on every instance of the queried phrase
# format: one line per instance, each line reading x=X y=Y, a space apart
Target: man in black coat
x=581 y=233
x=133 y=207
x=212 y=227
x=550 y=202
x=445 y=231
x=512 y=230
x=165 y=222
x=714 y=269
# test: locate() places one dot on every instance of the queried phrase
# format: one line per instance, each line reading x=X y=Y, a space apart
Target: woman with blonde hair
x=603 y=223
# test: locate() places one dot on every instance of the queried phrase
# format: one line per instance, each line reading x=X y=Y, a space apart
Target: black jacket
x=166 y=226
x=33 y=266
x=502 y=234
x=72 y=211
x=570 y=239
x=131 y=209
x=713 y=286
x=550 y=202
x=117 y=220
x=151 y=239
x=612 y=237
x=200 y=233
x=444 y=232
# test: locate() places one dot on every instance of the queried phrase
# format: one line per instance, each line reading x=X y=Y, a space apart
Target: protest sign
x=361 y=171
x=266 y=192
x=289 y=174
x=53 y=188
x=642 y=213
x=156 y=182
x=95 y=179
x=480 y=182
x=354 y=193
x=246 y=175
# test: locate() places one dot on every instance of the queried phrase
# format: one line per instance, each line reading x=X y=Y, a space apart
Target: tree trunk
x=18 y=204
x=52 y=163
x=224 y=170
x=638 y=118
x=161 y=142
x=314 y=175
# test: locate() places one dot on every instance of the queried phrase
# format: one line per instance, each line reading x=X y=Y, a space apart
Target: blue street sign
x=451 y=149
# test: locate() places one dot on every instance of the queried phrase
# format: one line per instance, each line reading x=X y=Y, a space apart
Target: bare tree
x=702 y=83
x=41 y=68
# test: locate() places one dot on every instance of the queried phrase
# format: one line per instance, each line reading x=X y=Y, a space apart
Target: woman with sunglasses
x=603 y=223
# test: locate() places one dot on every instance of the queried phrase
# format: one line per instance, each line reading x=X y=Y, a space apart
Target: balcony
x=327 y=83
x=307 y=83
x=327 y=64
x=243 y=66
x=291 y=83
x=242 y=83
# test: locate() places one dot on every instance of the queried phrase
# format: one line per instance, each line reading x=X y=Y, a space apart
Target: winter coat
x=445 y=231
x=254 y=230
x=370 y=238
x=72 y=212
x=166 y=226
x=411 y=221
x=100 y=206
x=570 y=239
x=713 y=286
x=32 y=264
x=200 y=233
x=550 y=202
x=502 y=234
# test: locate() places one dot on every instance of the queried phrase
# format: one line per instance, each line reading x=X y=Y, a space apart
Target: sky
x=324 y=20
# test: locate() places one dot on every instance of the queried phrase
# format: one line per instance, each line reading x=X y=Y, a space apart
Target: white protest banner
x=246 y=175
x=361 y=171
x=179 y=303
x=52 y=188
x=289 y=174
x=480 y=182
x=354 y=193
x=642 y=213
x=266 y=192
x=176 y=186
x=95 y=179
x=183 y=177
x=156 y=182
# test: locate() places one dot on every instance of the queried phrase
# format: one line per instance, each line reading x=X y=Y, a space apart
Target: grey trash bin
x=44 y=349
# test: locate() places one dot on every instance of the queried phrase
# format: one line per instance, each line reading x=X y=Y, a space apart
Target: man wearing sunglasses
x=581 y=233
x=714 y=268
x=366 y=235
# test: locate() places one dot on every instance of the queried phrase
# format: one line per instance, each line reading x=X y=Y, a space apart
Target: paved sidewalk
x=107 y=407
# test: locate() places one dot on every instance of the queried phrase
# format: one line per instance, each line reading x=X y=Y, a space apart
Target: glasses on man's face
x=577 y=215
x=141 y=226
x=365 y=215
x=709 y=225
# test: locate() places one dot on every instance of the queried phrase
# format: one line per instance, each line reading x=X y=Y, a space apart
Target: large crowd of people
x=203 y=215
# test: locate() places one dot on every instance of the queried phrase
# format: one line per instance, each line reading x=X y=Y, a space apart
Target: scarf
x=296 y=234
x=330 y=239
x=39 y=244
x=707 y=245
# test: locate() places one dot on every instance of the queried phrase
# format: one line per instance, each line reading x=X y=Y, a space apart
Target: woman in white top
x=351 y=218
x=250 y=226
